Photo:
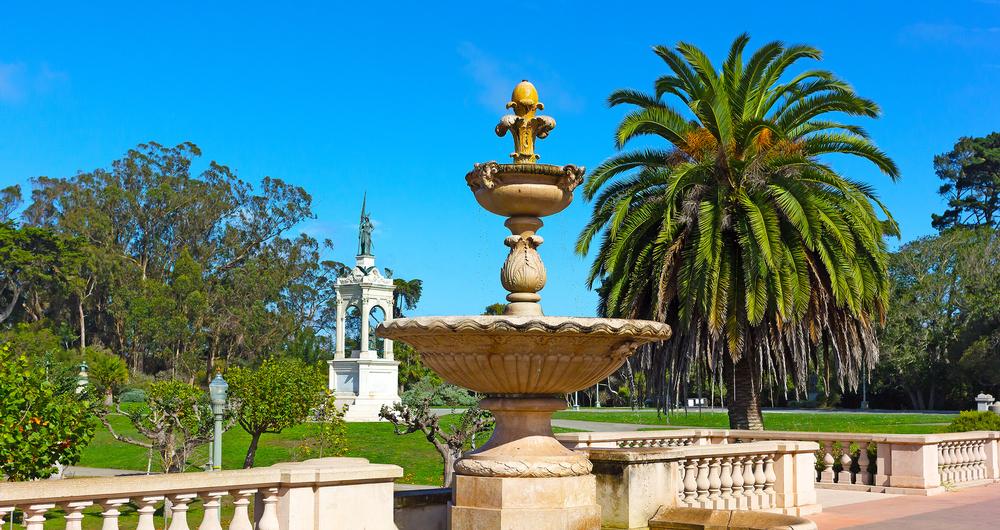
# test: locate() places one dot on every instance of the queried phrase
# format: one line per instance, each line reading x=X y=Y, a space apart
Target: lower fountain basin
x=523 y=354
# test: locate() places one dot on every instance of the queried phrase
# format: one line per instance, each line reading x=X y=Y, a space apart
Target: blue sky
x=401 y=100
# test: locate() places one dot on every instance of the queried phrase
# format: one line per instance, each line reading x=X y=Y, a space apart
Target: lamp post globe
x=218 y=392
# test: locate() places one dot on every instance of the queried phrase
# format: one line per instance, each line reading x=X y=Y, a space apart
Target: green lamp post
x=217 y=391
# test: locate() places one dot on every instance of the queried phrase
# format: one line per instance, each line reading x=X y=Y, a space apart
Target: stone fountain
x=524 y=362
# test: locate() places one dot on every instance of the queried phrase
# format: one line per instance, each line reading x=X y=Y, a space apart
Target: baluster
x=213 y=503
x=714 y=482
x=111 y=513
x=702 y=481
x=147 y=508
x=826 y=476
x=953 y=458
x=748 y=482
x=844 y=476
x=759 y=479
x=680 y=482
x=269 y=516
x=726 y=483
x=973 y=465
x=739 y=501
x=241 y=515
x=3 y=513
x=970 y=459
x=864 y=476
x=769 y=479
x=36 y=519
x=963 y=459
x=74 y=514
x=179 y=507
x=980 y=460
x=944 y=462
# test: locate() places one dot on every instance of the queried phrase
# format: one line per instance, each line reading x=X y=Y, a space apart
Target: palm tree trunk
x=744 y=406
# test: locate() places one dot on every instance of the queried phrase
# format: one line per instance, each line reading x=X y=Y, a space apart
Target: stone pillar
x=992 y=450
x=915 y=466
x=341 y=332
x=795 y=478
x=315 y=493
x=366 y=351
x=630 y=490
x=883 y=464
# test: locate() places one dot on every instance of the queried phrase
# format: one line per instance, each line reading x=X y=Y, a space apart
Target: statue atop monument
x=365 y=231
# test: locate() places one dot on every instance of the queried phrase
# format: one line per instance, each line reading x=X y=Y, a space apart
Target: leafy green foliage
x=39 y=427
x=106 y=371
x=406 y=296
x=411 y=369
x=175 y=419
x=276 y=396
x=495 y=309
x=971 y=175
x=759 y=255
x=940 y=339
x=32 y=260
x=326 y=432
x=439 y=393
x=970 y=420
x=133 y=395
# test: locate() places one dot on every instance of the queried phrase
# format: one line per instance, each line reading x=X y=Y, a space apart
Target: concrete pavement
x=971 y=508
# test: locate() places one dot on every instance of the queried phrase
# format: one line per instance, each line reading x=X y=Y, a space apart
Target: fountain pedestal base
x=516 y=503
x=523 y=478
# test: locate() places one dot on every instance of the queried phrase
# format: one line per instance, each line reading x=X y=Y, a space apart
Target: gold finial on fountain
x=524 y=125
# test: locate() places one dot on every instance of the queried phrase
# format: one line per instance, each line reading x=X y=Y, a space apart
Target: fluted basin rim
x=543 y=325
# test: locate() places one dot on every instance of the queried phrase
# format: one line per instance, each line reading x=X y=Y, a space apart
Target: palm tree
x=762 y=257
x=406 y=296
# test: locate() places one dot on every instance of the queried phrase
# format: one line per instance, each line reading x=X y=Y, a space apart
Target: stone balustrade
x=289 y=496
x=891 y=463
x=634 y=482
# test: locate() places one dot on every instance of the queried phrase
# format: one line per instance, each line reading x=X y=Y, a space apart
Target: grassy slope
x=782 y=421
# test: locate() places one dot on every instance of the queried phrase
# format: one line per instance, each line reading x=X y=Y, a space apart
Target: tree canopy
x=737 y=232
x=41 y=425
x=971 y=175
x=277 y=395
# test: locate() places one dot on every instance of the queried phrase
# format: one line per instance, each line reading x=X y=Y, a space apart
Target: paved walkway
x=970 y=508
x=603 y=426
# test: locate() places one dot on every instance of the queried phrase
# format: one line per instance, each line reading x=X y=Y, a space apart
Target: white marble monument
x=366 y=377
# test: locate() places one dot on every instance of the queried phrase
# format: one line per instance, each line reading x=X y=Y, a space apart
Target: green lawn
x=781 y=421
x=375 y=441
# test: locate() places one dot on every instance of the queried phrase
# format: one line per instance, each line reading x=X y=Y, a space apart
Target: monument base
x=516 y=503
x=364 y=386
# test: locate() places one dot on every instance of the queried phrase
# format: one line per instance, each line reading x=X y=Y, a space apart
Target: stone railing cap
x=319 y=472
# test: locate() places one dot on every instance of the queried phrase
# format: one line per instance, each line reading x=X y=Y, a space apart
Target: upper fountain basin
x=534 y=190
x=523 y=354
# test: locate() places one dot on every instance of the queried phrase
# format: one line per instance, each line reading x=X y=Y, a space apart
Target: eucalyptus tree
x=737 y=232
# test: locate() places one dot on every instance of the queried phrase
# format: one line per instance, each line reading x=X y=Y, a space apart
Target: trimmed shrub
x=969 y=420
x=134 y=395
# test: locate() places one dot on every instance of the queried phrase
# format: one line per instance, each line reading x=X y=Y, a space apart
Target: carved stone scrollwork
x=572 y=177
x=483 y=176
x=522 y=468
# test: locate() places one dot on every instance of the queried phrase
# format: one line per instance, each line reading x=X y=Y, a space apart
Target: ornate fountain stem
x=523 y=273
